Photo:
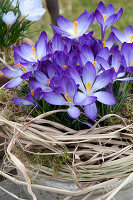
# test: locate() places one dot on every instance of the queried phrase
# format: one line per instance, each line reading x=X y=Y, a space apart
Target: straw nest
x=96 y=156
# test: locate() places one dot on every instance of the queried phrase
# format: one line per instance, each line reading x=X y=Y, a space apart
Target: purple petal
x=103 y=80
x=26 y=75
x=89 y=73
x=105 y=98
x=128 y=32
x=58 y=30
x=76 y=77
x=40 y=46
x=116 y=60
x=109 y=10
x=119 y=35
x=14 y=82
x=130 y=69
x=91 y=111
x=119 y=13
x=21 y=102
x=110 y=41
x=73 y=112
x=57 y=43
x=64 y=23
x=40 y=77
x=79 y=98
x=126 y=79
x=110 y=20
x=54 y=98
x=101 y=7
x=38 y=93
x=12 y=73
x=99 y=17
x=84 y=22
x=104 y=53
x=101 y=61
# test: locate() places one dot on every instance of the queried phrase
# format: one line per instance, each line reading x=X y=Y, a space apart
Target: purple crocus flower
x=89 y=87
x=76 y=29
x=66 y=97
x=18 y=74
x=106 y=16
x=126 y=37
x=28 y=54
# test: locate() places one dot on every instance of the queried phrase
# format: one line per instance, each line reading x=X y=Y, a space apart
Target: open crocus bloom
x=32 y=10
x=75 y=29
x=126 y=37
x=29 y=54
x=89 y=87
x=9 y=18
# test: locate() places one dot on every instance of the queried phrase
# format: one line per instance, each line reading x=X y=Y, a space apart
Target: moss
x=52 y=161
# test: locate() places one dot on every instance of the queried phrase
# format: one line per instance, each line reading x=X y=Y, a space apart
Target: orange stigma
x=88 y=86
x=34 y=52
x=104 y=43
x=48 y=81
x=95 y=63
x=75 y=26
x=131 y=63
x=131 y=38
x=55 y=49
x=32 y=92
x=67 y=97
x=65 y=67
x=104 y=17
x=22 y=67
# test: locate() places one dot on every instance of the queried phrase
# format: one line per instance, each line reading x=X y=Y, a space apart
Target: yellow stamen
x=22 y=67
x=77 y=64
x=65 y=67
x=88 y=86
x=32 y=92
x=131 y=38
x=75 y=26
x=34 y=52
x=104 y=43
x=131 y=63
x=95 y=63
x=104 y=17
x=115 y=69
x=67 y=97
x=48 y=81
x=55 y=49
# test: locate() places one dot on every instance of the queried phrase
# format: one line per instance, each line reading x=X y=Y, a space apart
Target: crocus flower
x=18 y=74
x=28 y=54
x=106 y=16
x=69 y=88
x=9 y=18
x=32 y=10
x=126 y=37
x=75 y=29
x=89 y=87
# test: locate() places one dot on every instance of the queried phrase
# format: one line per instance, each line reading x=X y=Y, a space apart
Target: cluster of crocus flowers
x=75 y=70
